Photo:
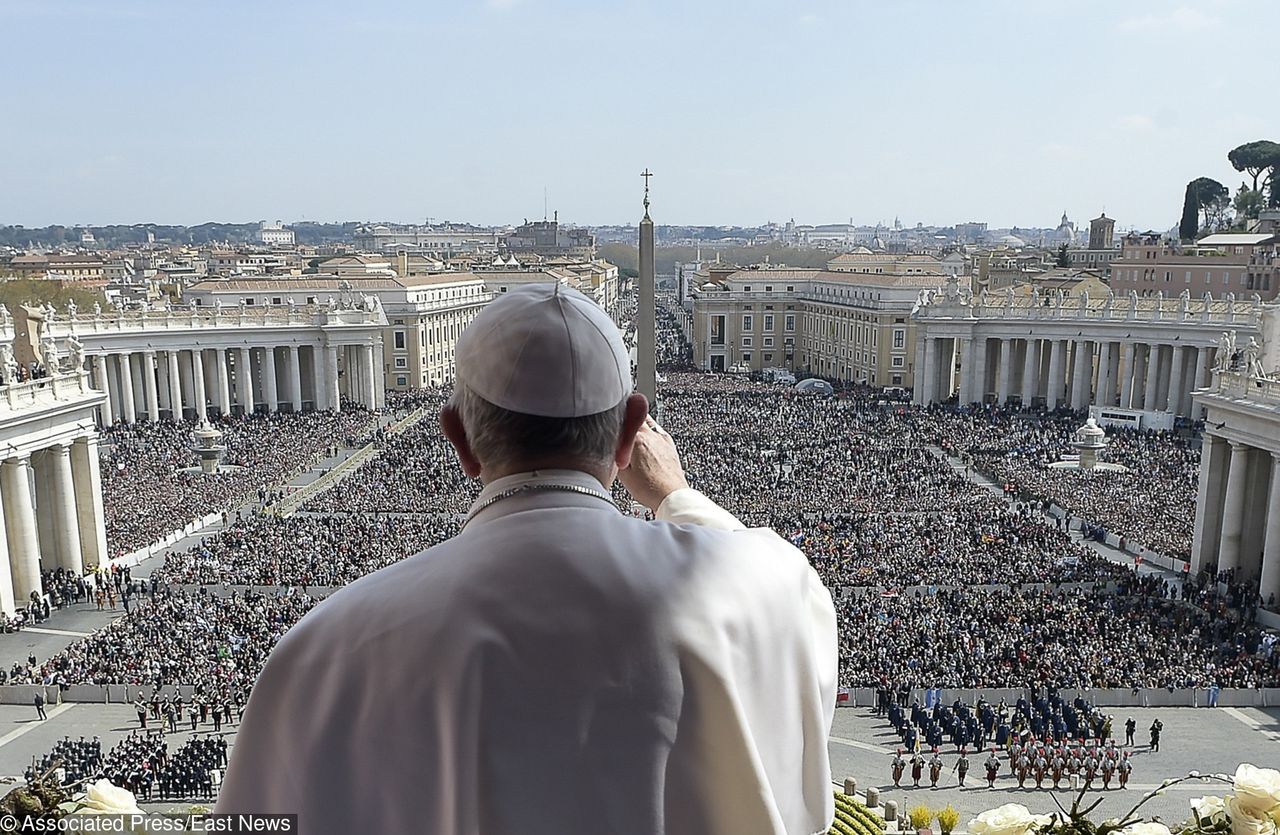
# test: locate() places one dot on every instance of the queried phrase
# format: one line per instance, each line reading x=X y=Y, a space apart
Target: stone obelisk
x=646 y=339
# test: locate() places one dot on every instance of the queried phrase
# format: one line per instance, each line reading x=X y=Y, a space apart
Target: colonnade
x=1074 y=372
x=197 y=383
x=1238 y=512
x=51 y=516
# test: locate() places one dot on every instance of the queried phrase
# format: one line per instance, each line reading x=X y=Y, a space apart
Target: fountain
x=205 y=444
x=1090 y=441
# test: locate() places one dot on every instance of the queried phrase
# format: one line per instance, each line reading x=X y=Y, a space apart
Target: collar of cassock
x=566 y=481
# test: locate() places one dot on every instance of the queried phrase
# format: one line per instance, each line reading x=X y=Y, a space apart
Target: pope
x=557 y=667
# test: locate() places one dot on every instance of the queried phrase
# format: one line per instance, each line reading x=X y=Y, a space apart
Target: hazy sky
x=119 y=111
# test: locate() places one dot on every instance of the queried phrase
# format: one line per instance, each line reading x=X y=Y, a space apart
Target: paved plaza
x=1195 y=739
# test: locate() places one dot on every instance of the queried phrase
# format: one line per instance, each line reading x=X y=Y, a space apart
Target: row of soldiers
x=1044 y=716
x=1040 y=762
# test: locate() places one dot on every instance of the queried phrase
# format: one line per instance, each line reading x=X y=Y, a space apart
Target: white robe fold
x=556 y=668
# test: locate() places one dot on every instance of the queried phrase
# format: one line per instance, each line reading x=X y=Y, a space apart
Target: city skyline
x=747 y=113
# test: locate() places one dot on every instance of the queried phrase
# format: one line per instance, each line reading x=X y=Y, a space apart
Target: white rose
x=1245 y=822
x=1009 y=819
x=1257 y=789
x=1146 y=828
x=1211 y=809
x=105 y=799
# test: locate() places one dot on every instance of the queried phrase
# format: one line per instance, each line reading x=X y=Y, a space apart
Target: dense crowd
x=415 y=471
x=939 y=582
x=1153 y=504
x=1139 y=636
x=304 y=550
x=174 y=636
x=151 y=485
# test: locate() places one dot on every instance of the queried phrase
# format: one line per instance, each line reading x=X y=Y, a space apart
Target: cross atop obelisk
x=646 y=324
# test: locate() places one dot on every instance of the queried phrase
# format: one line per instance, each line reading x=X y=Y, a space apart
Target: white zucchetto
x=545 y=350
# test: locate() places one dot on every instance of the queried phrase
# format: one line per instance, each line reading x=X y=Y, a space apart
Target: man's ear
x=451 y=424
x=637 y=411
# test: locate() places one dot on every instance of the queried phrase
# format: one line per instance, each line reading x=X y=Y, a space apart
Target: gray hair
x=499 y=436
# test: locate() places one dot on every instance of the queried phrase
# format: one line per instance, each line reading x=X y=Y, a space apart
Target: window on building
x=768 y=321
x=747 y=323
x=311 y=299
x=899 y=338
x=746 y=342
x=746 y=288
x=746 y=356
x=402 y=380
x=402 y=362
x=768 y=357
x=275 y=300
x=717 y=330
x=399 y=340
x=791 y=288
x=789 y=323
x=768 y=288
x=768 y=342
x=898 y=362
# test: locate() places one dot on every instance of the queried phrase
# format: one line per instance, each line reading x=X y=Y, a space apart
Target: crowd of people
x=216 y=642
x=151 y=484
x=938 y=582
x=1153 y=504
x=304 y=550
x=141 y=763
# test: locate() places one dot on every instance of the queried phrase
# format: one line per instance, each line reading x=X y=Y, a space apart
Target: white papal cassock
x=556 y=668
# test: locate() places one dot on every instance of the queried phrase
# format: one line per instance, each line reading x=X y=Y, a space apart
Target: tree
x=1253 y=158
x=1190 y=223
x=1203 y=195
x=1248 y=203
x=1064 y=260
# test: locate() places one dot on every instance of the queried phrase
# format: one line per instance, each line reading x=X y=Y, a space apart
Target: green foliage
x=1063 y=259
x=1253 y=158
x=36 y=292
x=920 y=816
x=1189 y=225
x=853 y=818
x=1248 y=203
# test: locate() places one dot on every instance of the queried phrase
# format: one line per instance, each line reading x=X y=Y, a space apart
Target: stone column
x=175 y=385
x=1106 y=384
x=1205 y=539
x=1270 y=582
x=20 y=519
x=67 y=524
x=929 y=379
x=100 y=372
x=317 y=378
x=197 y=383
x=379 y=376
x=244 y=380
x=370 y=383
x=1006 y=371
x=86 y=472
x=128 y=407
x=964 y=387
x=149 y=385
x=1080 y=393
x=1126 y=374
x=1056 y=374
x=113 y=386
x=917 y=389
x=1175 y=379
x=1030 y=365
x=1233 y=507
x=1152 y=382
x=269 y=377
x=224 y=381
x=331 y=380
x=1201 y=381
x=6 y=574
x=295 y=379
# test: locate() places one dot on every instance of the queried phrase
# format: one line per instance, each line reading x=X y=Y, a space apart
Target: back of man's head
x=542 y=375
